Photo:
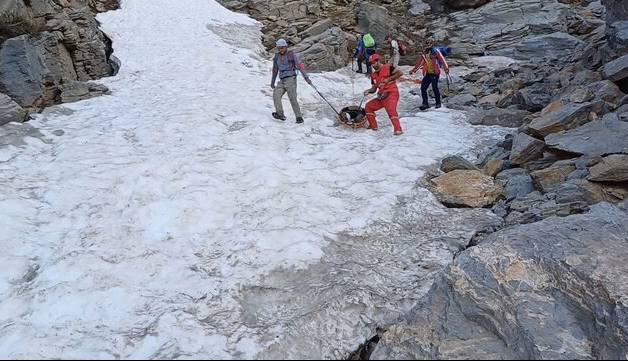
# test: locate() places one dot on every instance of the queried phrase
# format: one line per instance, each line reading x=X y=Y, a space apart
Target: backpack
x=368 y=40
x=445 y=50
x=403 y=48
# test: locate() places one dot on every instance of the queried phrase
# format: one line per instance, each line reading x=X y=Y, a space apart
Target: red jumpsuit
x=391 y=98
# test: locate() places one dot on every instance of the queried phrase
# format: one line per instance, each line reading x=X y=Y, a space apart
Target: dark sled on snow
x=353 y=117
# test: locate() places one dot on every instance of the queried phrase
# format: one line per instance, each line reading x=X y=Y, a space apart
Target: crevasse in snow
x=176 y=218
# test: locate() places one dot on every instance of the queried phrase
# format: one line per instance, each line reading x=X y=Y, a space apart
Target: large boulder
x=526 y=148
x=613 y=168
x=23 y=71
x=500 y=24
x=10 y=111
x=568 y=116
x=555 y=289
x=466 y=188
x=376 y=20
x=606 y=136
x=326 y=51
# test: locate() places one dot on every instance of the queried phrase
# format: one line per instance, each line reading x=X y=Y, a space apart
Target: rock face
x=466 y=188
x=10 y=111
x=539 y=291
x=617 y=70
x=557 y=45
x=61 y=45
x=501 y=24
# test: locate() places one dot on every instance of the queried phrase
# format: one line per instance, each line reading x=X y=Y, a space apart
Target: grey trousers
x=288 y=85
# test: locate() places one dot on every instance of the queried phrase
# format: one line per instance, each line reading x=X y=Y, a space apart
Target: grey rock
x=76 y=91
x=615 y=10
x=512 y=118
x=535 y=97
x=526 y=148
x=375 y=19
x=460 y=100
x=553 y=46
x=616 y=70
x=568 y=116
x=23 y=71
x=454 y=162
x=317 y=28
x=490 y=302
x=607 y=91
x=10 y=111
x=593 y=139
x=517 y=183
x=613 y=168
x=585 y=77
x=617 y=34
x=418 y=7
x=499 y=25
x=324 y=52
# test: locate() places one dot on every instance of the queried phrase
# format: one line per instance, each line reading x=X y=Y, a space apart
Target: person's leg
x=390 y=104
x=291 y=88
x=395 y=60
x=278 y=93
x=371 y=107
x=436 y=91
x=425 y=83
x=360 y=60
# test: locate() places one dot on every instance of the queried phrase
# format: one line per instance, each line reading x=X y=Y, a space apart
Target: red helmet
x=373 y=58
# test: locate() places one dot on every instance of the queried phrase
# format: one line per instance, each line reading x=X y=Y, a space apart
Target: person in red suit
x=384 y=80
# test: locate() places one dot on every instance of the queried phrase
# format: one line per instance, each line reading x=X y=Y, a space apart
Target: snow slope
x=133 y=224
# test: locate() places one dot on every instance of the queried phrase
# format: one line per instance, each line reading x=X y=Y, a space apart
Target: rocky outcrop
x=593 y=139
x=455 y=162
x=537 y=291
x=10 y=111
x=61 y=47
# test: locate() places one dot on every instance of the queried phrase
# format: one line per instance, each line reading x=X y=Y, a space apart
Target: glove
x=272 y=85
x=382 y=96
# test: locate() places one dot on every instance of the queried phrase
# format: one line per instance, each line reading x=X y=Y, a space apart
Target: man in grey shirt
x=285 y=65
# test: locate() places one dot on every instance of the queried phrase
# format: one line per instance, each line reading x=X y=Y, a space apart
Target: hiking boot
x=299 y=120
x=424 y=107
x=359 y=71
x=398 y=132
x=437 y=106
x=279 y=116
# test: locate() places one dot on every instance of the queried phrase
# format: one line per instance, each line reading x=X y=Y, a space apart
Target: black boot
x=279 y=116
x=437 y=106
x=299 y=120
x=424 y=107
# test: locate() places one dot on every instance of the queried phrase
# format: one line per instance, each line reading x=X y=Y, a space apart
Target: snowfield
x=176 y=218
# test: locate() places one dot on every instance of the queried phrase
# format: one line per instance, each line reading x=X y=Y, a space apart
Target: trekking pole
x=325 y=99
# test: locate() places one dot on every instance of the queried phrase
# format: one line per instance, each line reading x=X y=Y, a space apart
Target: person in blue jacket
x=362 y=54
